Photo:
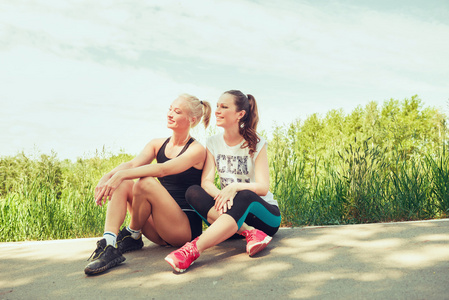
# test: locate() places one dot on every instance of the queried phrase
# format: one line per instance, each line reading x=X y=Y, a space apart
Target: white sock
x=135 y=234
x=111 y=238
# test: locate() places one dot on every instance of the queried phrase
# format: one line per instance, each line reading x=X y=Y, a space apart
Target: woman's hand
x=225 y=198
x=103 y=192
x=100 y=185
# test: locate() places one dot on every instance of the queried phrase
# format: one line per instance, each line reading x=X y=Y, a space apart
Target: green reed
x=46 y=198
x=438 y=167
x=363 y=184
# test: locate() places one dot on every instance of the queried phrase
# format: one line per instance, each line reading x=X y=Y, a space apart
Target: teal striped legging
x=248 y=207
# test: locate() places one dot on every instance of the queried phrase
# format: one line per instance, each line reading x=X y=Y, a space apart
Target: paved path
x=408 y=260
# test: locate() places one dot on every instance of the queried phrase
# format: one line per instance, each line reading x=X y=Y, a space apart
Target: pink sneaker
x=256 y=241
x=182 y=258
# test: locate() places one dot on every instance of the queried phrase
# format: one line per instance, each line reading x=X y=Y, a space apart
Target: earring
x=242 y=125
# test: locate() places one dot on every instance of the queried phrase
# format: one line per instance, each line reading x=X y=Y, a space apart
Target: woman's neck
x=180 y=138
x=232 y=136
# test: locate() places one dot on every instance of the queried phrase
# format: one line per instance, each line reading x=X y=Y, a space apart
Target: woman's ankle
x=245 y=228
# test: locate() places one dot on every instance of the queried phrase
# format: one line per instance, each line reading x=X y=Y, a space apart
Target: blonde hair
x=198 y=109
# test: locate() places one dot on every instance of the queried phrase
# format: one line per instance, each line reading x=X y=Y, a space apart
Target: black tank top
x=177 y=184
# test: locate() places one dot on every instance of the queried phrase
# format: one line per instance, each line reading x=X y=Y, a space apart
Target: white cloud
x=300 y=41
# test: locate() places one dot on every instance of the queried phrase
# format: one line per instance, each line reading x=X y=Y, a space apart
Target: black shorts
x=196 y=223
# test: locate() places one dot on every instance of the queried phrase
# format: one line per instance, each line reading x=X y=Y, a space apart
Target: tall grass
x=46 y=198
x=438 y=168
x=307 y=194
x=371 y=165
x=365 y=184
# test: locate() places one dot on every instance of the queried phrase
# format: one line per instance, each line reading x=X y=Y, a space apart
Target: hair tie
x=201 y=102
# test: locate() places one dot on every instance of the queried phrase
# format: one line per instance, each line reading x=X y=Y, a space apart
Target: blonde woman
x=153 y=193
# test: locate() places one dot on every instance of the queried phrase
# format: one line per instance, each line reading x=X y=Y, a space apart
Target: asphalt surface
x=408 y=260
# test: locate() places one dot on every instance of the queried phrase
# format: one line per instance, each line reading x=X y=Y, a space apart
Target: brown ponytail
x=247 y=124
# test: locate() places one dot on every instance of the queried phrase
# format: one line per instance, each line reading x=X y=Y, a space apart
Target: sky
x=77 y=77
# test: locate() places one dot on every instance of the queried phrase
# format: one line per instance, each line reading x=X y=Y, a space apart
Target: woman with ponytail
x=244 y=204
x=154 y=193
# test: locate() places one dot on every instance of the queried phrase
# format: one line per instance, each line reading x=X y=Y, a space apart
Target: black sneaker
x=103 y=258
x=126 y=243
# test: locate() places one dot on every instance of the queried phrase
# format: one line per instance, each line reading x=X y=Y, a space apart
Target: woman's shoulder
x=154 y=145
x=157 y=142
x=151 y=149
x=197 y=144
x=260 y=144
x=212 y=140
x=215 y=137
x=261 y=139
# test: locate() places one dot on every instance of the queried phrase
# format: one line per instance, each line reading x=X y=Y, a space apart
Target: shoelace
x=98 y=250
x=187 y=249
x=250 y=237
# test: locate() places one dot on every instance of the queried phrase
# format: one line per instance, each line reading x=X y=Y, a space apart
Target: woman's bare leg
x=117 y=206
x=150 y=232
x=167 y=221
x=223 y=228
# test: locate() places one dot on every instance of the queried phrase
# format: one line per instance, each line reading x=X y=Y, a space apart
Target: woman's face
x=226 y=112
x=178 y=114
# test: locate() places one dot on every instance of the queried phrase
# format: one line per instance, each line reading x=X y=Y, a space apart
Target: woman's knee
x=193 y=193
x=124 y=191
x=145 y=186
x=126 y=186
x=245 y=195
x=199 y=200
